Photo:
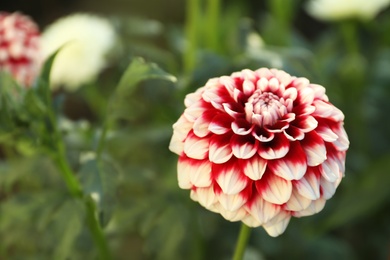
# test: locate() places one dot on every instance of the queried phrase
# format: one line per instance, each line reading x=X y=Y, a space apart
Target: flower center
x=264 y=108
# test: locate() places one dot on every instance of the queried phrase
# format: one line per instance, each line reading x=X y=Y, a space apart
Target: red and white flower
x=19 y=47
x=260 y=147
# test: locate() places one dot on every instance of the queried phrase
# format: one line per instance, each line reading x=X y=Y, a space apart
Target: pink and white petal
x=192 y=98
x=254 y=167
x=314 y=148
x=228 y=82
x=220 y=150
x=200 y=173
x=233 y=216
x=290 y=93
x=319 y=92
x=262 y=210
x=277 y=225
x=243 y=147
x=248 y=87
x=283 y=77
x=195 y=147
x=184 y=168
x=327 y=110
x=293 y=133
x=326 y=133
x=342 y=142
x=291 y=167
x=182 y=127
x=262 y=135
x=231 y=202
x=314 y=207
x=274 y=189
x=176 y=145
x=194 y=111
x=241 y=127
x=262 y=84
x=328 y=188
x=220 y=124
x=232 y=110
x=273 y=85
x=330 y=169
x=305 y=123
x=206 y=196
x=309 y=185
x=201 y=124
x=278 y=147
x=194 y=195
x=305 y=95
x=297 y=202
x=250 y=221
x=300 y=83
x=229 y=178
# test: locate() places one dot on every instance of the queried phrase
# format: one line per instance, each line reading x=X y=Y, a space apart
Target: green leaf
x=138 y=71
x=98 y=178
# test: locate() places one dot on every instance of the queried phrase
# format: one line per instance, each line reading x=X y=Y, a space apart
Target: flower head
x=19 y=47
x=259 y=147
x=331 y=10
x=85 y=40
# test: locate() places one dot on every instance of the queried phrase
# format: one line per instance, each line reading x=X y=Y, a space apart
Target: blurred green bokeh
x=144 y=213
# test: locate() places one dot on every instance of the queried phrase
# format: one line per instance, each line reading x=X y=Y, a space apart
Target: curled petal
x=274 y=189
x=220 y=124
x=309 y=186
x=254 y=167
x=305 y=96
x=327 y=110
x=326 y=133
x=319 y=92
x=290 y=93
x=276 y=148
x=262 y=134
x=199 y=172
x=342 y=142
x=193 y=112
x=329 y=188
x=231 y=110
x=291 y=167
x=244 y=147
x=229 y=178
x=206 y=196
x=195 y=147
x=262 y=210
x=231 y=202
x=220 y=150
x=330 y=169
x=278 y=224
x=314 y=207
x=293 y=133
x=182 y=127
x=314 y=148
x=251 y=221
x=201 y=124
x=176 y=145
x=183 y=173
x=248 y=87
x=233 y=216
x=297 y=202
x=193 y=98
x=306 y=123
x=242 y=127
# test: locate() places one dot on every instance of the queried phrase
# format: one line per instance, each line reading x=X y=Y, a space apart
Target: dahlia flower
x=260 y=147
x=331 y=10
x=85 y=40
x=19 y=47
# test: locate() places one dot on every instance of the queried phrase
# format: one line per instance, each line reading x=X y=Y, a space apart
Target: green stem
x=192 y=23
x=242 y=242
x=96 y=230
x=213 y=18
x=75 y=189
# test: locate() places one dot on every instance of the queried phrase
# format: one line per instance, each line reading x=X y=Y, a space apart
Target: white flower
x=85 y=40
x=331 y=10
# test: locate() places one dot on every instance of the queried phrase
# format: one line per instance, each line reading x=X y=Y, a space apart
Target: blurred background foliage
x=144 y=213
